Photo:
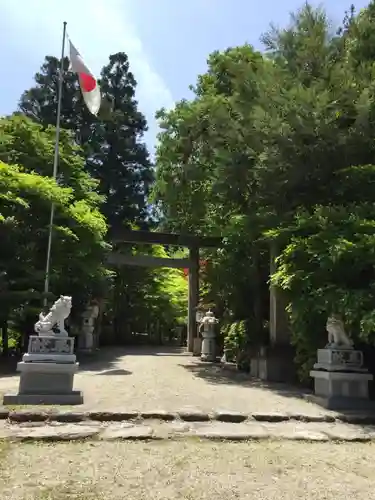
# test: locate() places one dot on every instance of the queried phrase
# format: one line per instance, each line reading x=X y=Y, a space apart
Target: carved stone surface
x=50 y=350
x=50 y=344
x=331 y=359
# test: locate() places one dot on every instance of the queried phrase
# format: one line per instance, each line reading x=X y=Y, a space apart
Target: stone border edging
x=216 y=431
x=20 y=416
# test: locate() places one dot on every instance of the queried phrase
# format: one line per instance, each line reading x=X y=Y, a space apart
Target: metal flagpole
x=55 y=165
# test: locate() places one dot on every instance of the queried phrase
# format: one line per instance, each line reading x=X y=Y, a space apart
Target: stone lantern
x=197 y=343
x=207 y=330
x=89 y=317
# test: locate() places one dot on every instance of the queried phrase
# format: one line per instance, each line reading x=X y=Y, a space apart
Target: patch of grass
x=73 y=491
x=4 y=449
x=39 y=407
x=187 y=469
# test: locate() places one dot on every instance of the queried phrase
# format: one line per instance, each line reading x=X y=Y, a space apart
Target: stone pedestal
x=335 y=359
x=86 y=340
x=197 y=346
x=275 y=362
x=341 y=391
x=47 y=373
x=340 y=380
x=208 y=346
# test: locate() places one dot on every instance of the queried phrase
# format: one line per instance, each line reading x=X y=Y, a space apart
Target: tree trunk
x=257 y=284
x=99 y=323
x=4 y=337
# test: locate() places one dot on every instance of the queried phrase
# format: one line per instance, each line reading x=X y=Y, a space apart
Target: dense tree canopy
x=27 y=191
x=80 y=226
x=279 y=146
x=112 y=143
x=104 y=175
x=274 y=148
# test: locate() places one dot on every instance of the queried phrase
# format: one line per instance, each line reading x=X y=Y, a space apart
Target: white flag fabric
x=89 y=86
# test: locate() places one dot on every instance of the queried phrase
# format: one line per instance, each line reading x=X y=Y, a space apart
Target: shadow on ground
x=216 y=374
x=107 y=357
x=119 y=371
x=8 y=366
x=103 y=359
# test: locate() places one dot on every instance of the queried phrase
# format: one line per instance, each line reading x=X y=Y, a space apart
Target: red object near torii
x=202 y=263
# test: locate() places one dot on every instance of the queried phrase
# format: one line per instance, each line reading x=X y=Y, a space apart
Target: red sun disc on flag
x=88 y=83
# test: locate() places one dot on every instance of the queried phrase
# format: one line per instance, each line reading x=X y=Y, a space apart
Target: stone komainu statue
x=55 y=318
x=337 y=337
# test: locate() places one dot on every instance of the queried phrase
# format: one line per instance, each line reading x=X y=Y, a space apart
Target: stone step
x=213 y=430
x=186 y=415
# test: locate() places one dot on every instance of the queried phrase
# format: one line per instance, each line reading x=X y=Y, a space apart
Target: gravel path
x=191 y=470
x=169 y=379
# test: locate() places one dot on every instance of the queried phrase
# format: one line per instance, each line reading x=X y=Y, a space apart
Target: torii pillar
x=193 y=296
x=275 y=362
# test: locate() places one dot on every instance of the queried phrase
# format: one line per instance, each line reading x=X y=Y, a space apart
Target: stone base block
x=46 y=378
x=341 y=384
x=208 y=358
x=208 y=353
x=274 y=364
x=341 y=390
x=87 y=352
x=342 y=403
x=74 y=398
x=197 y=346
x=46 y=383
x=86 y=340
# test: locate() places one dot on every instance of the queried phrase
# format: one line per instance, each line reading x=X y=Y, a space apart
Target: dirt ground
x=146 y=379
x=191 y=470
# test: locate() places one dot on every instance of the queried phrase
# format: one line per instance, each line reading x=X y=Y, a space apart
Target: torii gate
x=193 y=243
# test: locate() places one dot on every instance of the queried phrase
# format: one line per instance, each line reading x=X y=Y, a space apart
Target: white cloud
x=97 y=28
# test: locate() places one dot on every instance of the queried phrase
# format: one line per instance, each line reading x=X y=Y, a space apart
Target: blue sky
x=167 y=41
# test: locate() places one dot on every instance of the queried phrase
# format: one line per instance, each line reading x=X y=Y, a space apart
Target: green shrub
x=236 y=340
x=327 y=266
x=13 y=339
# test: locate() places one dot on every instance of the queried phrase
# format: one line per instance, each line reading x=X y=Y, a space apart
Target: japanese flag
x=89 y=86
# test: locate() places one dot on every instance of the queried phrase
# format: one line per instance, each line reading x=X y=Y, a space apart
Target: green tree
x=113 y=150
x=27 y=193
x=78 y=243
x=112 y=143
x=321 y=133
x=117 y=157
x=267 y=140
x=205 y=180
